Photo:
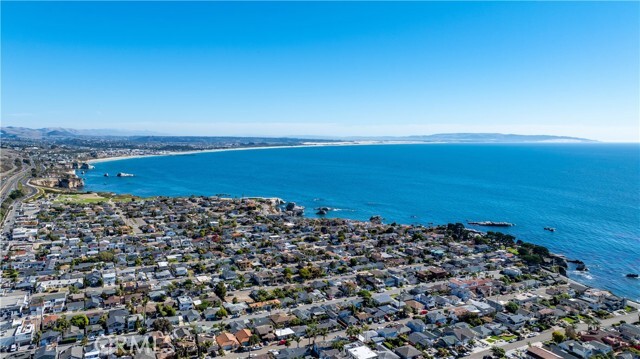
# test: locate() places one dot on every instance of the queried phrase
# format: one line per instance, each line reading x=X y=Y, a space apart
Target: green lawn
x=93 y=198
x=569 y=320
x=80 y=198
x=505 y=337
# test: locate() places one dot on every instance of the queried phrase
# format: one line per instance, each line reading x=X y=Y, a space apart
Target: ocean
x=589 y=192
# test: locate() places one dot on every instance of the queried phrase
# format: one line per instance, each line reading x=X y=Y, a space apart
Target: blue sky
x=336 y=68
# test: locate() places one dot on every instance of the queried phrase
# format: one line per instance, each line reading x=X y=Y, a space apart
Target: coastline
x=576 y=279
x=303 y=145
x=317 y=144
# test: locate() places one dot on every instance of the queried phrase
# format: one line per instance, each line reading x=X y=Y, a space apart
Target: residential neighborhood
x=249 y=277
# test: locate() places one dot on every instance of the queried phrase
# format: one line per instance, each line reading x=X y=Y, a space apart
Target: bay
x=589 y=192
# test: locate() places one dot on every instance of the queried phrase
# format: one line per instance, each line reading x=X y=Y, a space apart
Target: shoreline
x=303 y=145
x=319 y=144
x=577 y=279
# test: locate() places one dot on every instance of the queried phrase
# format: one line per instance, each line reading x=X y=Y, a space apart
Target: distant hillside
x=58 y=132
x=149 y=136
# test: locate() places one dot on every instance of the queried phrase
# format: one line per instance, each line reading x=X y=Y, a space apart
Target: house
x=581 y=350
x=94 y=331
x=265 y=332
x=24 y=332
x=388 y=332
x=185 y=303
x=73 y=352
x=512 y=321
x=408 y=352
x=534 y=352
x=132 y=320
x=420 y=339
x=73 y=333
x=284 y=333
x=382 y=299
x=227 y=341
x=50 y=337
x=46 y=352
x=417 y=325
x=191 y=315
x=360 y=351
x=436 y=317
x=243 y=336
x=109 y=278
x=512 y=272
x=115 y=324
x=629 y=331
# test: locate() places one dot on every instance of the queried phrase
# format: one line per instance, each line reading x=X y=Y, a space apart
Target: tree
x=497 y=352
x=80 y=321
x=323 y=333
x=570 y=332
x=511 y=307
x=312 y=331
x=288 y=274
x=557 y=336
x=353 y=331
x=305 y=273
x=162 y=325
x=61 y=324
x=222 y=313
x=73 y=289
x=254 y=339
x=220 y=290
x=106 y=256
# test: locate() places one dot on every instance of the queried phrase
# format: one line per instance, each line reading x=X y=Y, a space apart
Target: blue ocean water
x=589 y=192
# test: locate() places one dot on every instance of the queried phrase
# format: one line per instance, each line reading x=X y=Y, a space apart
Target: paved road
x=11 y=182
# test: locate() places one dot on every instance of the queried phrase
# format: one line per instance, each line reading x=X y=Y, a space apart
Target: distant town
x=90 y=275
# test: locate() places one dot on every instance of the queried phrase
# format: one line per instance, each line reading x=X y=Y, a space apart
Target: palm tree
x=353 y=331
x=297 y=339
x=324 y=332
x=253 y=340
x=312 y=331
x=144 y=307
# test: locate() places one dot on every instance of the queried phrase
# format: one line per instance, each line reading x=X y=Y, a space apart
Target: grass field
x=81 y=198
x=93 y=198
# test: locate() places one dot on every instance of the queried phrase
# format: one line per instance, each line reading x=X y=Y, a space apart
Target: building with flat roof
x=361 y=352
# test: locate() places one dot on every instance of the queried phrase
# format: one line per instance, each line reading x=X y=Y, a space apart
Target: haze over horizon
x=324 y=69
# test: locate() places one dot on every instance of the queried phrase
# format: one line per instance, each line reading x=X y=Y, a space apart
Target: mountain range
x=13 y=132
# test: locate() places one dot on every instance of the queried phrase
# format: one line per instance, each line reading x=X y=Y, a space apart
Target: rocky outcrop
x=69 y=182
x=293 y=209
x=81 y=166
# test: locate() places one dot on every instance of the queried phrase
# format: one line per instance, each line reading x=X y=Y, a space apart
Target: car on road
x=13 y=348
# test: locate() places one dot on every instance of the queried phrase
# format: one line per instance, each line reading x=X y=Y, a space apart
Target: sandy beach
x=304 y=145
